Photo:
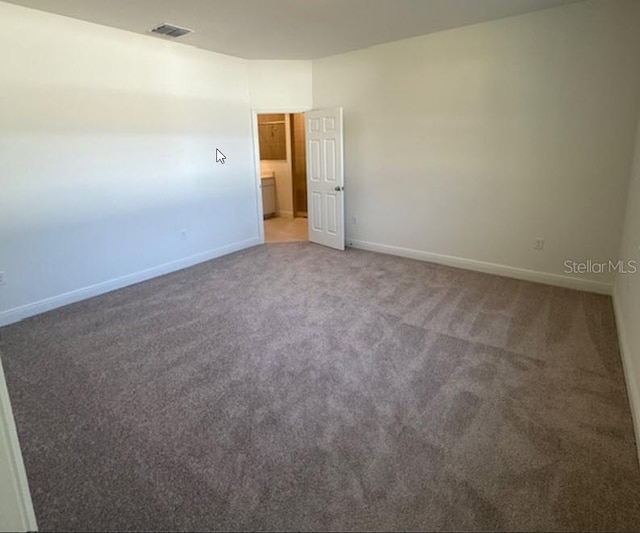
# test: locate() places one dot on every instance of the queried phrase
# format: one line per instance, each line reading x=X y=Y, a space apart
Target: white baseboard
x=488 y=268
x=19 y=313
x=627 y=365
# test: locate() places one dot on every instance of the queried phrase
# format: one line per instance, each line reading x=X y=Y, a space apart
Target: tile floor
x=280 y=229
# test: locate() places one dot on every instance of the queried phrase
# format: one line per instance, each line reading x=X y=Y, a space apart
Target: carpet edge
x=487 y=268
x=630 y=381
x=16 y=314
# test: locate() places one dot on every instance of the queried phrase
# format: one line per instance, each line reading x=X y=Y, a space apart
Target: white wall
x=627 y=293
x=283 y=173
x=280 y=86
x=107 y=144
x=473 y=142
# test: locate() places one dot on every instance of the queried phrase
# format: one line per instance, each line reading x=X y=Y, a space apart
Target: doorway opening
x=283 y=176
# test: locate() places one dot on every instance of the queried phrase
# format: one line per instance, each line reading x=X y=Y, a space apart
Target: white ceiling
x=290 y=29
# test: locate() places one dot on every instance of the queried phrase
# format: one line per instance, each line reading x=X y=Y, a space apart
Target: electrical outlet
x=2 y=280
x=539 y=244
x=183 y=234
x=354 y=219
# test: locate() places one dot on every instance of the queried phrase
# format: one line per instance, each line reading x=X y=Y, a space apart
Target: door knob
x=338 y=188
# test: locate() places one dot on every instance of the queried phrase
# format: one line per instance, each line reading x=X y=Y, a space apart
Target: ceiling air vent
x=170 y=30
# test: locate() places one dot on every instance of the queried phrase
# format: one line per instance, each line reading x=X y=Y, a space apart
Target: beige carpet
x=293 y=387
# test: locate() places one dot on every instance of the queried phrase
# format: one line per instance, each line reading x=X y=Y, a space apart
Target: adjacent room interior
x=321 y=266
x=283 y=175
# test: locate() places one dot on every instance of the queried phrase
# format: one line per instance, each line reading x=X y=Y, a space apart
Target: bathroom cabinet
x=268 y=195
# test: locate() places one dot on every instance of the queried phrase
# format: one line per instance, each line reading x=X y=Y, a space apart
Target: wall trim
x=285 y=214
x=627 y=365
x=35 y=308
x=22 y=517
x=488 y=268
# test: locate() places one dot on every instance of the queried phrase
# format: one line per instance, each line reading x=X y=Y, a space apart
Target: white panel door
x=325 y=177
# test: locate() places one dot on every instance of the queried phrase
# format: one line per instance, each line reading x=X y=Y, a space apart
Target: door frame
x=295 y=142
x=255 y=111
x=17 y=510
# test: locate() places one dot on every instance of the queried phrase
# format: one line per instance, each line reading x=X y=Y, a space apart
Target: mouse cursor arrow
x=220 y=157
